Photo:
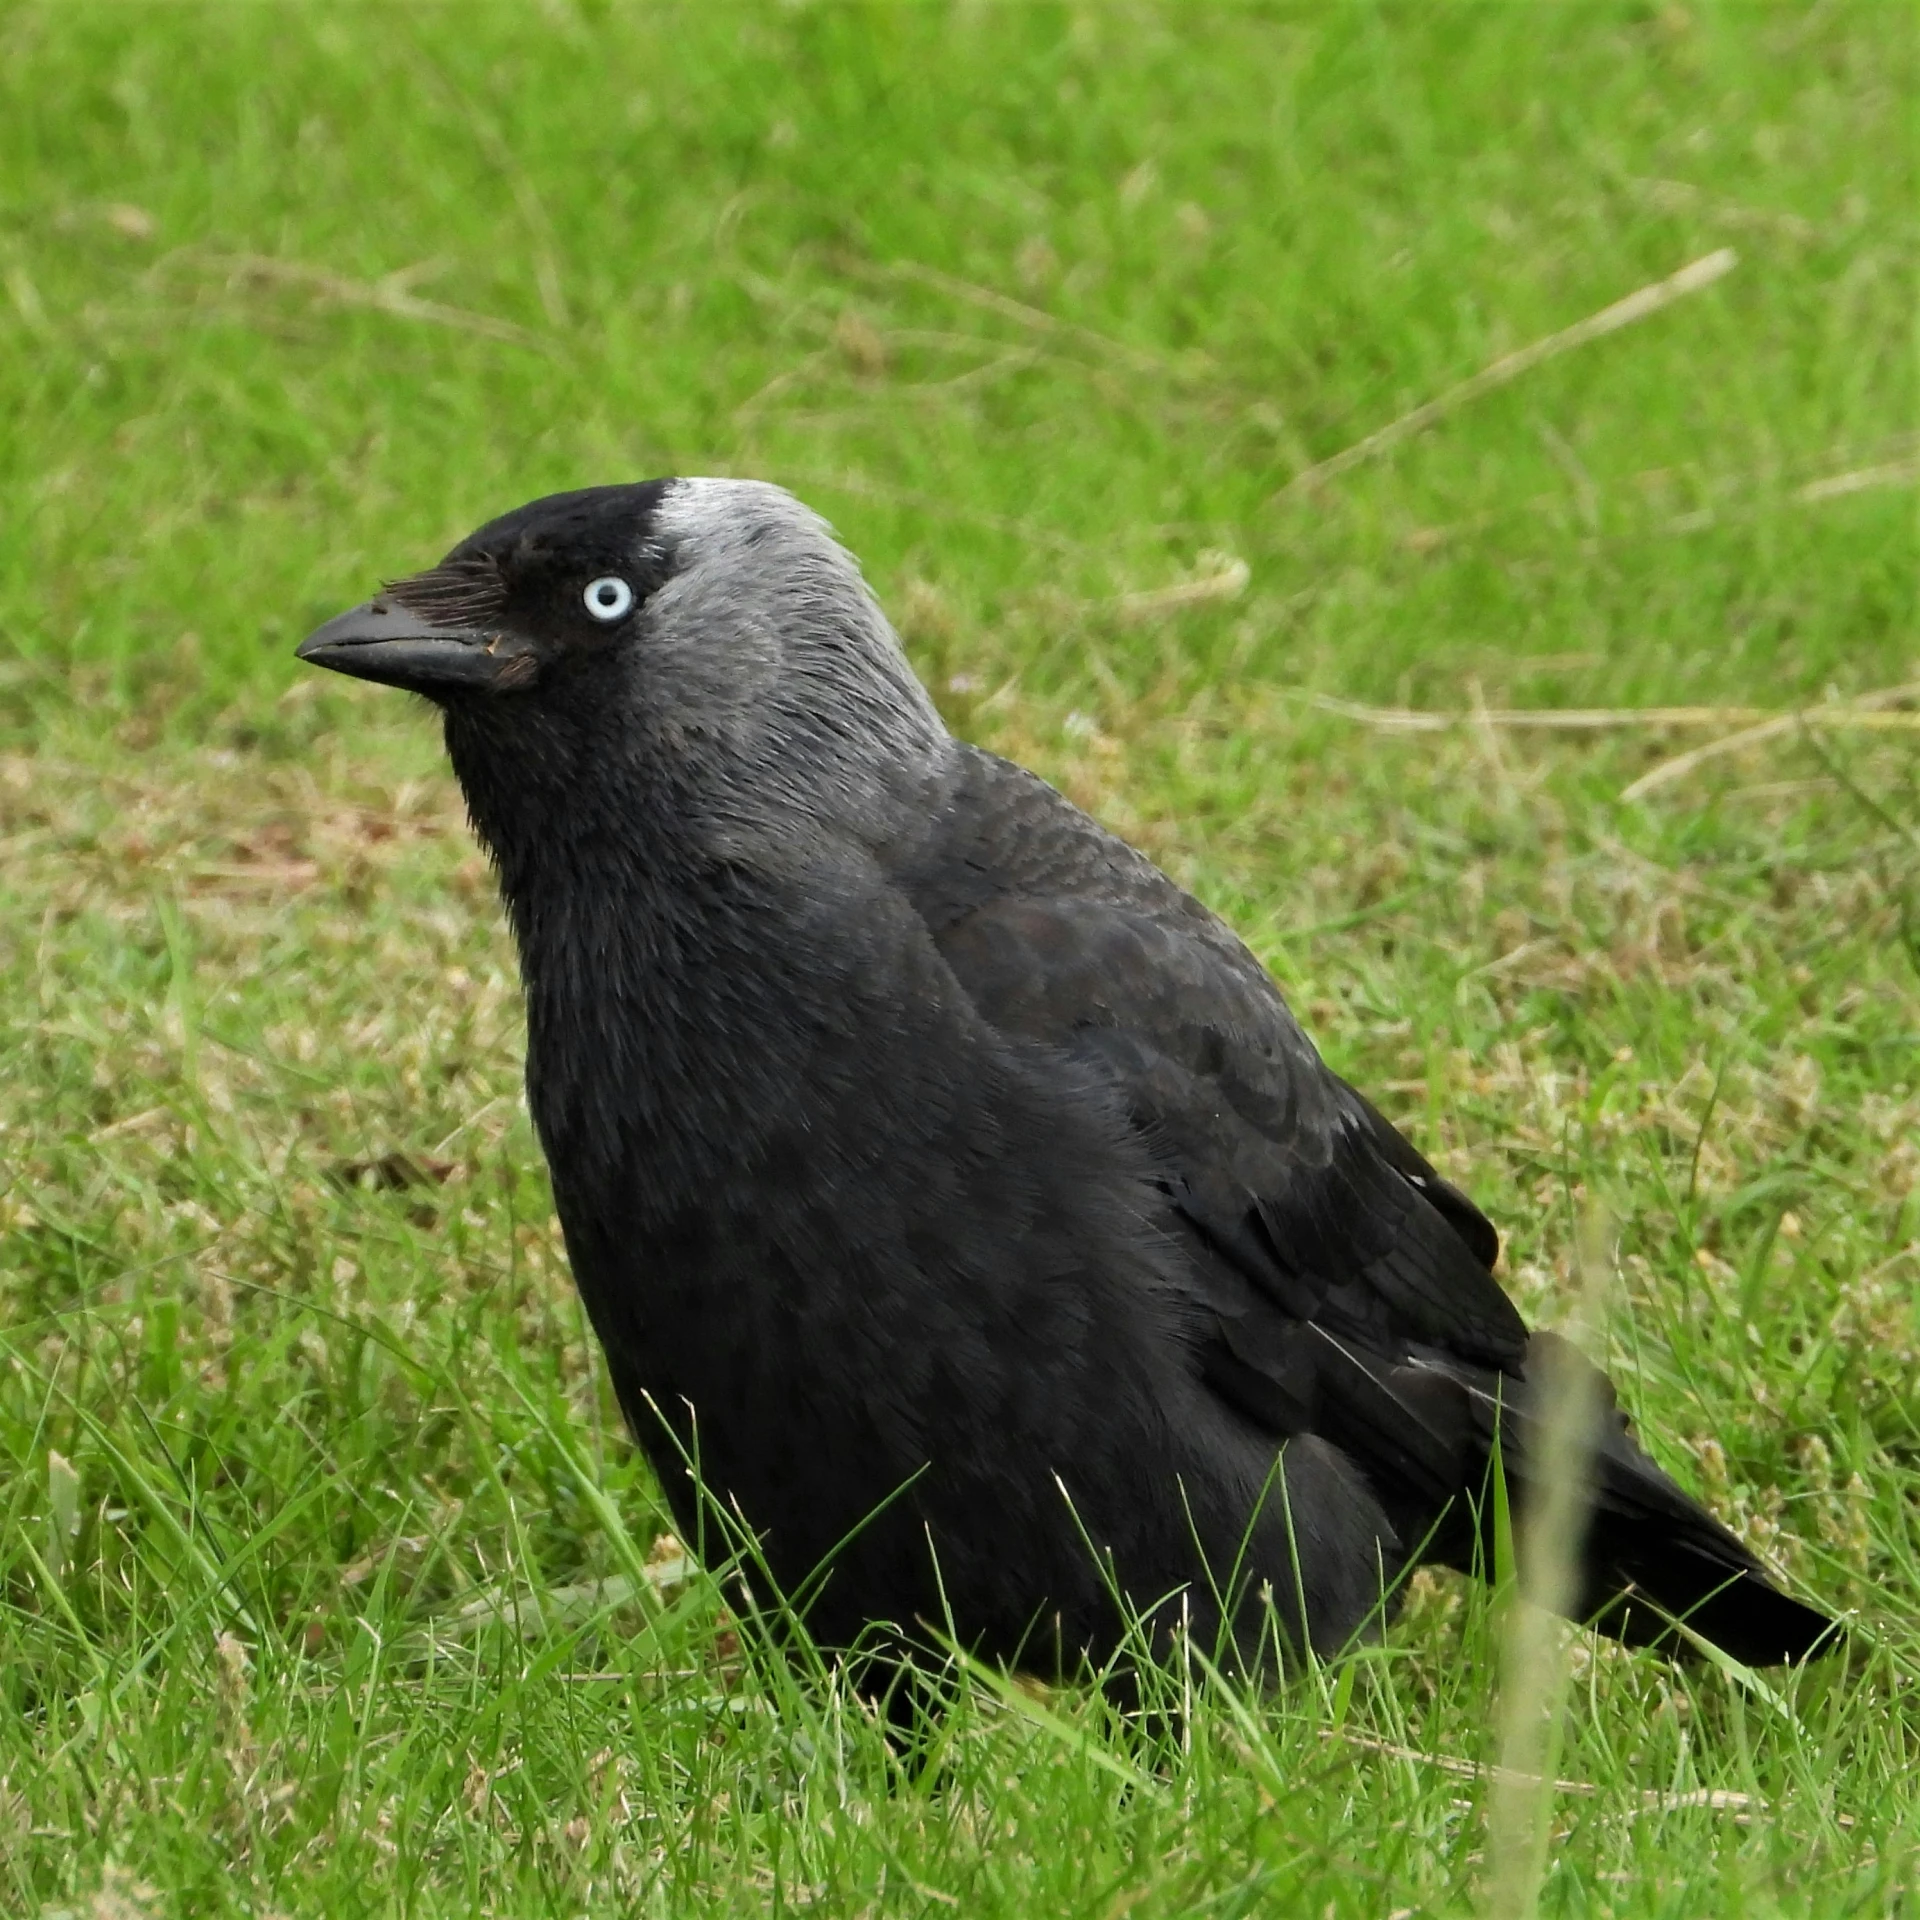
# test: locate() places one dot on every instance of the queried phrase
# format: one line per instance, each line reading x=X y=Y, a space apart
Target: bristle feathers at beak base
x=467 y=590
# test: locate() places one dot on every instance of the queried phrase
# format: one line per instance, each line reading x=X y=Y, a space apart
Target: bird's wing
x=1345 y=1289
x=1329 y=1254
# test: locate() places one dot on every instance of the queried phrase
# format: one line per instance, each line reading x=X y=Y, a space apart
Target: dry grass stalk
x=1648 y=1799
x=1887 y=473
x=1226 y=580
x=1875 y=712
x=787 y=377
x=1680 y=196
x=1635 y=307
x=389 y=294
x=1549 y=719
x=1856 y=713
x=856 y=344
x=1533 y=1667
x=1867 y=711
x=1035 y=318
x=914 y=393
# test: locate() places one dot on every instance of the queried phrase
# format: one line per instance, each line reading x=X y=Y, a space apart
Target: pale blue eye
x=608 y=597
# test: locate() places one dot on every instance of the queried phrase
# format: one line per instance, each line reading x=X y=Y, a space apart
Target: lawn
x=1557 y=749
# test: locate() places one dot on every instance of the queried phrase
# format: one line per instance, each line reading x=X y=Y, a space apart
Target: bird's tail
x=1650 y=1559
x=1652 y=1555
x=1640 y=1585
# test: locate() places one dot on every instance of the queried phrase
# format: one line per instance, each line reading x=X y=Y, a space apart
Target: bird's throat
x=656 y=978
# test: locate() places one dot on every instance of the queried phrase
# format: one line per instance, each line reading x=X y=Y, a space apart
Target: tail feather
x=1640 y=1584
x=1653 y=1555
x=1650 y=1555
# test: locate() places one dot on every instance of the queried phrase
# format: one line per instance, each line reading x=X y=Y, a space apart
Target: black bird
x=959 y=1191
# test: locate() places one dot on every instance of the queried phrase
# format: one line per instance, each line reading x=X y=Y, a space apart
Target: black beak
x=382 y=641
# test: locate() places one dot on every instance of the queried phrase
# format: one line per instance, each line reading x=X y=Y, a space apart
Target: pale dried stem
x=386 y=295
x=1635 y=307
x=1034 y=318
x=1888 y=473
x=1227 y=581
x=1680 y=196
x=1015 y=360
x=787 y=377
x=1866 y=711
x=915 y=393
x=1646 y=1799
x=1533 y=1668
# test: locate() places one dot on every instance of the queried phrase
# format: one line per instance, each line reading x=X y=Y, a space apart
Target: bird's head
x=713 y=631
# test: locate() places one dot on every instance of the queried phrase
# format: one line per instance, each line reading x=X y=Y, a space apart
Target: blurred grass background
x=296 y=295
x=312 y=1595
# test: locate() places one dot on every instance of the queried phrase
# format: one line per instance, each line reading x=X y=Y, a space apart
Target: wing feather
x=1345 y=1289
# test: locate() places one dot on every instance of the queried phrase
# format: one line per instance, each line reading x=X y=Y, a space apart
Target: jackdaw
x=957 y=1191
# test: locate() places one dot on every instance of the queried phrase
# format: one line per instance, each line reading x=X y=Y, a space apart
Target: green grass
x=324 y=1580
